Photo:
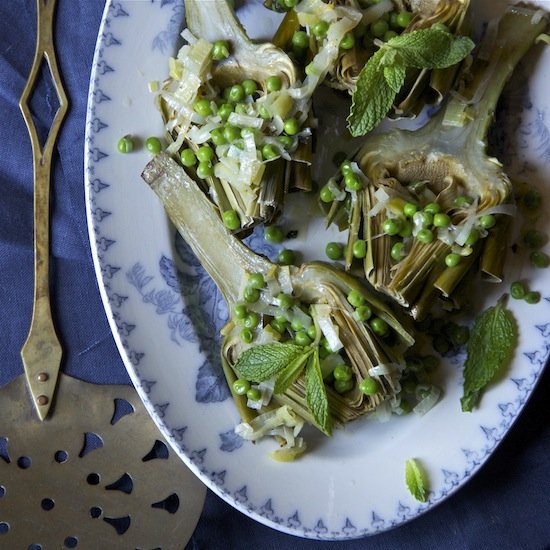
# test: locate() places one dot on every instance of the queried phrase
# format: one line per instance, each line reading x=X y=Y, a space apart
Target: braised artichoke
x=433 y=202
x=328 y=307
x=370 y=22
x=229 y=114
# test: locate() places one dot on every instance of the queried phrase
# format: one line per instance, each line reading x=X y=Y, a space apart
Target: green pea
x=251 y=295
x=325 y=194
x=452 y=259
x=231 y=220
x=254 y=394
x=273 y=234
x=203 y=107
x=363 y=313
x=432 y=208
x=125 y=144
x=342 y=372
x=205 y=153
x=388 y=35
x=532 y=297
x=539 y=259
x=269 y=152
x=391 y=226
x=320 y=29
x=348 y=41
x=286 y=256
x=240 y=311
x=311 y=332
x=291 y=126
x=403 y=19
x=252 y=320
x=379 y=28
x=334 y=251
x=517 y=290
x=246 y=335
x=302 y=339
x=286 y=141
x=273 y=83
x=441 y=27
x=285 y=301
x=534 y=239
x=205 y=169
x=352 y=182
x=300 y=40
x=462 y=201
x=153 y=145
x=425 y=236
x=217 y=137
x=410 y=209
x=236 y=93
x=397 y=251
x=379 y=326
x=264 y=112
x=249 y=86
x=487 y=221
x=346 y=168
x=369 y=386
x=355 y=298
x=247 y=132
x=188 y=158
x=231 y=133
x=241 y=386
x=359 y=249
x=256 y=280
x=473 y=237
x=279 y=326
x=442 y=220
x=343 y=386
x=224 y=110
x=220 y=50
x=424 y=218
x=441 y=344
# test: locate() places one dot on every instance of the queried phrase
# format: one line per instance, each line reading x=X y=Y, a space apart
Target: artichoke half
x=434 y=203
x=226 y=105
x=320 y=297
x=372 y=22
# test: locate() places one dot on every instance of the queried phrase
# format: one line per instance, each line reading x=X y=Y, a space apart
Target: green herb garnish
x=383 y=76
x=490 y=348
x=416 y=480
x=316 y=394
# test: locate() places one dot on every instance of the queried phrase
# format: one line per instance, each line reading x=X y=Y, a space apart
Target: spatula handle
x=41 y=352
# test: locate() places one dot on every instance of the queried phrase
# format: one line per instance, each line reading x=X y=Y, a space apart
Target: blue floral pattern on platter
x=174 y=290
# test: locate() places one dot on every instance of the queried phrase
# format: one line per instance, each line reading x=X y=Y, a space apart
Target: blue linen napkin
x=505 y=506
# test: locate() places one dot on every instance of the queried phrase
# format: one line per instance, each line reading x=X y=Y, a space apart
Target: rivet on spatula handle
x=41 y=352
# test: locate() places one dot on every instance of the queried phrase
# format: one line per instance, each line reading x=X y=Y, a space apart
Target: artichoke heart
x=434 y=204
x=370 y=23
x=341 y=322
x=232 y=120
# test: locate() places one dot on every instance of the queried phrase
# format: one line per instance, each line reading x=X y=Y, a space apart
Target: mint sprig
x=286 y=362
x=383 y=75
x=491 y=345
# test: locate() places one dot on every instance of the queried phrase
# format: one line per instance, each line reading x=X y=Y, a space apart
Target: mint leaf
x=373 y=97
x=395 y=76
x=416 y=480
x=490 y=348
x=290 y=373
x=316 y=394
x=262 y=362
x=431 y=48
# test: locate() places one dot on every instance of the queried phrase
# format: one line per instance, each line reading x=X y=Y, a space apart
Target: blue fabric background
x=506 y=506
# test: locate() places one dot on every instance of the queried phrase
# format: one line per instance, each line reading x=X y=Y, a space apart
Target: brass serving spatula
x=85 y=467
